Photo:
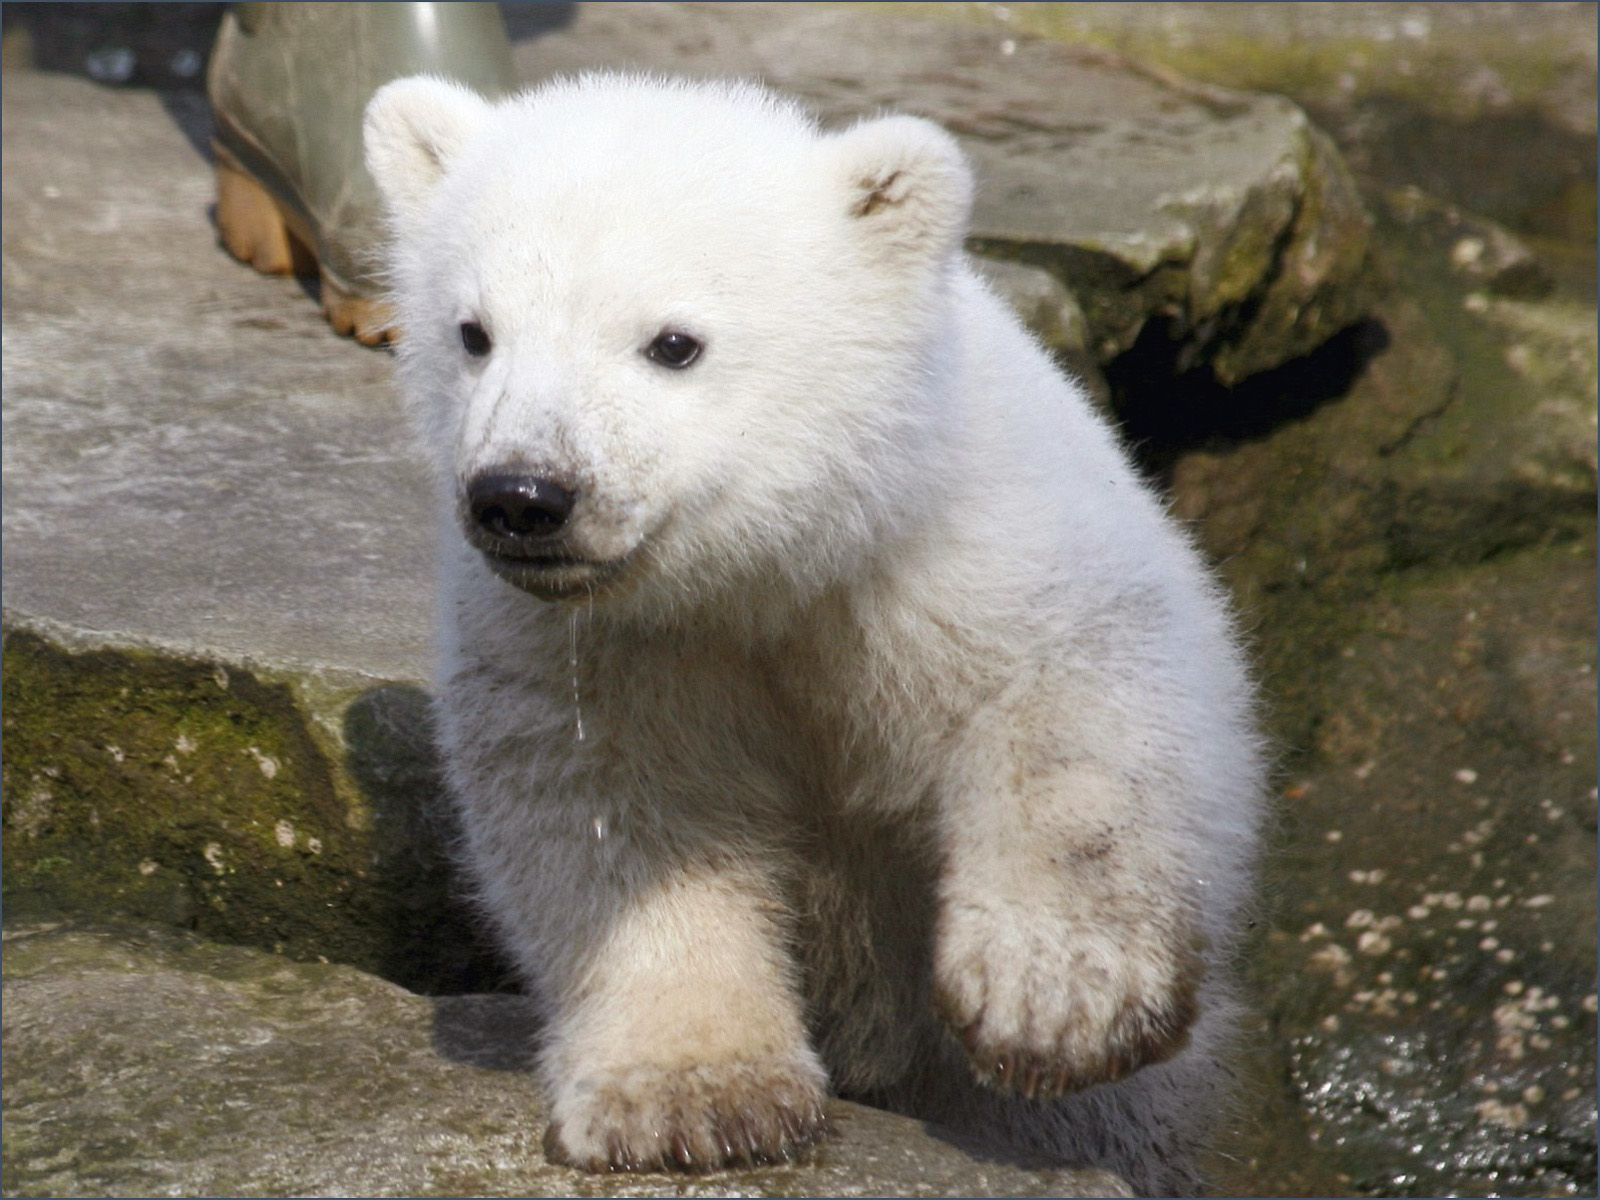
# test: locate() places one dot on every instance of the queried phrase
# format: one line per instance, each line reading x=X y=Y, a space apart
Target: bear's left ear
x=907 y=185
x=414 y=127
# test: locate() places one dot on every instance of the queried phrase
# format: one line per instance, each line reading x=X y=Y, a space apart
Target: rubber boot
x=288 y=85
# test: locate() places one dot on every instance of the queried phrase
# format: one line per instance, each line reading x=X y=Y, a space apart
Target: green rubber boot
x=288 y=85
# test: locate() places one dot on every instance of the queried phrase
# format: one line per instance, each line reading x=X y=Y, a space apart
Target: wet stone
x=1480 y=252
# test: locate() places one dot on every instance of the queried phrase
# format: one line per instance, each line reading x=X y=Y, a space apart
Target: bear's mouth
x=552 y=576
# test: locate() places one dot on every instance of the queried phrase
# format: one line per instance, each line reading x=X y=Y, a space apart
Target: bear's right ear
x=413 y=128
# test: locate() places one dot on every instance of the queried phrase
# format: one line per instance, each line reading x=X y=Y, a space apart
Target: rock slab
x=193 y=462
x=142 y=1062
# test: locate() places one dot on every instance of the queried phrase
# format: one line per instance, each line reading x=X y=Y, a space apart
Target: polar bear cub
x=827 y=702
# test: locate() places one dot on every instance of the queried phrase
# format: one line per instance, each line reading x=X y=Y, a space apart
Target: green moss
x=197 y=795
x=145 y=779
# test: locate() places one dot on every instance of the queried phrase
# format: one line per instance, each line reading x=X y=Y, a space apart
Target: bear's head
x=669 y=343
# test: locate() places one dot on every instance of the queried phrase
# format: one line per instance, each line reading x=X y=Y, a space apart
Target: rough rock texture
x=1436 y=990
x=206 y=796
x=1492 y=105
x=191 y=465
x=139 y=1062
x=1418 y=557
x=219 y=503
x=1417 y=551
x=1222 y=213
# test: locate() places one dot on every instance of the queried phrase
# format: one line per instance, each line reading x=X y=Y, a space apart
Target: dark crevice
x=1166 y=410
x=1421 y=422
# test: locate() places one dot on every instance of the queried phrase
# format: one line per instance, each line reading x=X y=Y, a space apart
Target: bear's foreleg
x=1067 y=950
x=677 y=1039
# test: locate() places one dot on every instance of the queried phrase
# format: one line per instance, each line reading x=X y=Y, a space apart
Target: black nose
x=519 y=507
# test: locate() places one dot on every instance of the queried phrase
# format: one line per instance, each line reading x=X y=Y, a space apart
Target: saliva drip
x=577 y=699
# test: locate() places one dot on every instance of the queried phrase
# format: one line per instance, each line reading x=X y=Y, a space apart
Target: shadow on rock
x=497 y=1033
x=433 y=939
x=1166 y=410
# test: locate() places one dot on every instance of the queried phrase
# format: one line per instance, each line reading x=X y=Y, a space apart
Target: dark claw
x=1030 y=1080
x=616 y=1155
x=752 y=1144
x=794 y=1129
x=733 y=1138
x=680 y=1151
x=552 y=1143
x=1116 y=1066
x=784 y=1153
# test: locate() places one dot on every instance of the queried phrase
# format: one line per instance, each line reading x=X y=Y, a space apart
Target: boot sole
x=259 y=229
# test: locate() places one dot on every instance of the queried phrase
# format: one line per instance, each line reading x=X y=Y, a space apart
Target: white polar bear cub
x=826 y=700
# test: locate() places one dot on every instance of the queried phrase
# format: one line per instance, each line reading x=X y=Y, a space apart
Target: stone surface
x=203 y=484
x=208 y=796
x=192 y=462
x=1490 y=104
x=1222 y=213
x=1436 y=992
x=138 y=1061
x=1480 y=252
x=1416 y=551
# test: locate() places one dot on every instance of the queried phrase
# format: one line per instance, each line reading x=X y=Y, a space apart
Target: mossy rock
x=208 y=798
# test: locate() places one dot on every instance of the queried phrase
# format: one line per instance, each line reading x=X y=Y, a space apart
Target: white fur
x=909 y=745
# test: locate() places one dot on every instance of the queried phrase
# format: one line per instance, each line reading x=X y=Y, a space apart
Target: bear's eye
x=673 y=349
x=474 y=339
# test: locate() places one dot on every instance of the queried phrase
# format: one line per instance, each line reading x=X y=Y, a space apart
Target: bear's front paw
x=1046 y=1005
x=696 y=1119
